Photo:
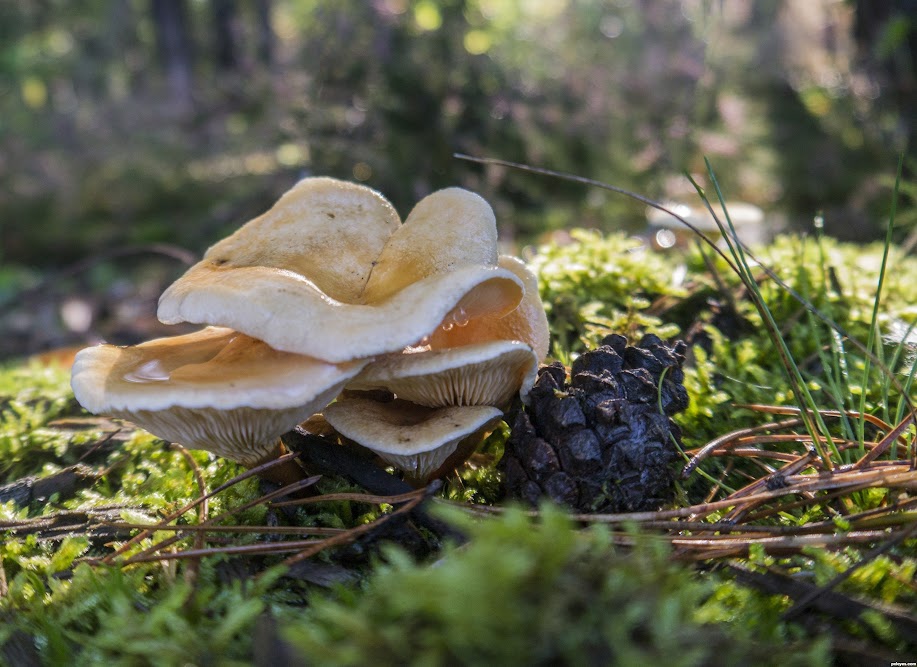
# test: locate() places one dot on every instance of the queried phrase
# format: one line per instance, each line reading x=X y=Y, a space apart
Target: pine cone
x=600 y=443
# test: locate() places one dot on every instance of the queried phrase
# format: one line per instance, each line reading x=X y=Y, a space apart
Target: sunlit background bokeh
x=132 y=122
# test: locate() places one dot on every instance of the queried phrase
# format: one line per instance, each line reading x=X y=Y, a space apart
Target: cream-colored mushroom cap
x=215 y=389
x=489 y=373
x=415 y=439
x=324 y=298
x=445 y=230
x=289 y=313
x=327 y=230
x=526 y=323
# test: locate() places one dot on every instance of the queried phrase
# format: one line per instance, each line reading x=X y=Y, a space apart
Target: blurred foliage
x=537 y=593
x=132 y=121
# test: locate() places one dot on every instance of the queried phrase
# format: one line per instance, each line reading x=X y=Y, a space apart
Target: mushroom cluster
x=410 y=338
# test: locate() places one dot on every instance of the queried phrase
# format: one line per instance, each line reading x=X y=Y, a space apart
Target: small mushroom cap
x=446 y=230
x=415 y=439
x=317 y=425
x=527 y=323
x=488 y=373
x=215 y=389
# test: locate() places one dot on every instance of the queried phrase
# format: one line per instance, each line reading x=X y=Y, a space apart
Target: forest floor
x=790 y=534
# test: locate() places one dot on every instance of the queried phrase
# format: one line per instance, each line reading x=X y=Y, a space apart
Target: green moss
x=592 y=285
x=525 y=592
x=30 y=397
x=140 y=616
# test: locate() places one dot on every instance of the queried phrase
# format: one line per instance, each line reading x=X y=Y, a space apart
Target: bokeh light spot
x=427 y=16
x=292 y=155
x=477 y=42
x=362 y=171
x=34 y=92
x=665 y=238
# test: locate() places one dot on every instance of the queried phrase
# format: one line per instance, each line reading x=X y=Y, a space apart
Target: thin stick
x=164 y=249
x=605 y=186
x=350 y=535
x=282 y=491
x=886 y=442
x=801 y=605
x=193 y=567
x=109 y=559
x=243 y=549
x=356 y=497
x=725 y=440
x=791 y=410
x=851 y=480
x=193 y=528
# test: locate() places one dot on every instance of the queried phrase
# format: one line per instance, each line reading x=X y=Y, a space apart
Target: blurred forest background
x=130 y=123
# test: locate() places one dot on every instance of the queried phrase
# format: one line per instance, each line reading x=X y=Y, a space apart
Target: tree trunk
x=224 y=43
x=265 y=32
x=170 y=18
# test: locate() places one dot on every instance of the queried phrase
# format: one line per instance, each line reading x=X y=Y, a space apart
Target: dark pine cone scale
x=605 y=441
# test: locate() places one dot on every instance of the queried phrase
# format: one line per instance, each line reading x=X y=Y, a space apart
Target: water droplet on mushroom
x=460 y=317
x=151 y=371
x=447 y=326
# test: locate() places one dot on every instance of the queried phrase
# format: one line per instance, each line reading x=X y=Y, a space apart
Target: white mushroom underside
x=214 y=389
x=490 y=373
x=413 y=438
x=245 y=435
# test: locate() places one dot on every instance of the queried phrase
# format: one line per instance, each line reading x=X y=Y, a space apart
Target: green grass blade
x=874 y=322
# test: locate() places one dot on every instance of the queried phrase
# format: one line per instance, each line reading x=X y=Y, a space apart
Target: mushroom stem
x=455 y=460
